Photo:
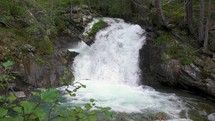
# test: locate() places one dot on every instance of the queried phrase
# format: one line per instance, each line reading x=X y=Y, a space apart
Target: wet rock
x=211 y=117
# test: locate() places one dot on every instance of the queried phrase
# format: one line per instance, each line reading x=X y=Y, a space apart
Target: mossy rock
x=96 y=27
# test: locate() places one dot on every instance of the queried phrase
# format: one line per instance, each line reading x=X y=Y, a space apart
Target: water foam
x=109 y=68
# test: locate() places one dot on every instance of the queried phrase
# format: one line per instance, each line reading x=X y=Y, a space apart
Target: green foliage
x=174 y=10
x=50 y=95
x=114 y=8
x=184 y=54
x=13 y=10
x=96 y=27
x=119 y=8
x=7 y=64
x=34 y=28
x=30 y=110
x=40 y=61
x=27 y=110
x=5 y=77
x=166 y=37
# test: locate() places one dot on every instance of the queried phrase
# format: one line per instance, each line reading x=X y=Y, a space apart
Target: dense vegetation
x=186 y=26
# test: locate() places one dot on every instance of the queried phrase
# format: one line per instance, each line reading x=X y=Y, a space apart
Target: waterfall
x=109 y=69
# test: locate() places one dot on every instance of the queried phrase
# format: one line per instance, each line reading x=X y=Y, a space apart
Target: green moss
x=96 y=27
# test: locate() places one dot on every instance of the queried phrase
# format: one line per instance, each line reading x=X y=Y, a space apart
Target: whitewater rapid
x=109 y=69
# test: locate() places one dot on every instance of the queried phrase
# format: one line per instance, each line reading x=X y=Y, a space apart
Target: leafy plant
x=6 y=76
x=31 y=110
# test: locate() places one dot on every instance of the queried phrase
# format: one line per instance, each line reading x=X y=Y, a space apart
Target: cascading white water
x=109 y=69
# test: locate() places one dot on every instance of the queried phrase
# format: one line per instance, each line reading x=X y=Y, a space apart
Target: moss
x=96 y=27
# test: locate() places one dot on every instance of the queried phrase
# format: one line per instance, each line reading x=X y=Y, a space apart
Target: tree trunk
x=201 y=22
x=207 y=27
x=160 y=14
x=189 y=15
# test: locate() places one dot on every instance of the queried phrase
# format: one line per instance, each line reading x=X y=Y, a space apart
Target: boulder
x=44 y=70
x=169 y=73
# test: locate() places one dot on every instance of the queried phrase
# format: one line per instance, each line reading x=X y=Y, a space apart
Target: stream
x=110 y=70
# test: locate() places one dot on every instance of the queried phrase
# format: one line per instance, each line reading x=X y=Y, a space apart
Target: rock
x=89 y=17
x=46 y=70
x=158 y=67
x=84 y=19
x=28 y=48
x=76 y=9
x=77 y=20
x=20 y=94
x=85 y=7
x=170 y=70
x=211 y=117
x=86 y=39
x=162 y=116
